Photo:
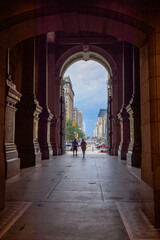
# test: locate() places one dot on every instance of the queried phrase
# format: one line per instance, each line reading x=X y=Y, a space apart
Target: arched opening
x=85 y=52
x=88 y=80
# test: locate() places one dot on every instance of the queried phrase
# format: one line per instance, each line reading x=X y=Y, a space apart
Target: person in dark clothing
x=75 y=146
x=83 y=147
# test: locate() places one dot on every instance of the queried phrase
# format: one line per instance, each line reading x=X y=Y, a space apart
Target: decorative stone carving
x=85 y=47
x=134 y=150
x=36 y=114
x=12 y=159
x=124 y=125
x=116 y=128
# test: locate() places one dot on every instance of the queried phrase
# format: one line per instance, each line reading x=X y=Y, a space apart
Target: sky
x=89 y=85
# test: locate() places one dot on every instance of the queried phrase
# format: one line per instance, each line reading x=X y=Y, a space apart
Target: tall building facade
x=75 y=115
x=96 y=129
x=101 y=124
x=80 y=119
x=69 y=97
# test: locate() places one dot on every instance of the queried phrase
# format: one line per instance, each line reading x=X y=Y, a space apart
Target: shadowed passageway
x=75 y=198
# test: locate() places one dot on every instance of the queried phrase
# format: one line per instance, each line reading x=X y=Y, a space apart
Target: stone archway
x=91 y=52
x=128 y=23
x=86 y=52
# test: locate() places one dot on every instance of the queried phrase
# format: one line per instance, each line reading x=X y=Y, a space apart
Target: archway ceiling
x=28 y=18
x=86 y=52
x=133 y=8
x=85 y=56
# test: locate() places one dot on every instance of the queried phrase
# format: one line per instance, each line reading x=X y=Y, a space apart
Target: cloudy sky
x=89 y=85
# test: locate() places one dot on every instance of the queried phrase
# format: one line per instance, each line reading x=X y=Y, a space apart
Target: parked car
x=68 y=146
x=102 y=145
x=104 y=150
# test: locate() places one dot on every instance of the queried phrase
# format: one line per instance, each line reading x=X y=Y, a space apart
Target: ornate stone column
x=53 y=127
x=123 y=115
x=57 y=94
x=27 y=116
x=44 y=133
x=42 y=95
x=109 y=117
x=3 y=70
x=62 y=118
x=117 y=134
x=12 y=159
x=133 y=109
x=124 y=128
x=150 y=125
x=115 y=120
x=53 y=93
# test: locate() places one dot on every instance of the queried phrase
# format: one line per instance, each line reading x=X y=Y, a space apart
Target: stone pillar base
x=30 y=154
x=147 y=202
x=133 y=159
x=13 y=167
x=55 y=150
x=12 y=160
x=115 y=152
x=37 y=153
x=122 y=154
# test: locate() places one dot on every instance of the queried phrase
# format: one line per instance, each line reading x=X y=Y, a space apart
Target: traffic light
x=74 y=124
x=77 y=135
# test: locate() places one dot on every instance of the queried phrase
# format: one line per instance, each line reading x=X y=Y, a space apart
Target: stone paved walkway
x=73 y=199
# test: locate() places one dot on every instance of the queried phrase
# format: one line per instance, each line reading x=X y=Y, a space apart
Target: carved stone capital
x=46 y=114
x=13 y=96
x=123 y=115
x=133 y=106
x=38 y=109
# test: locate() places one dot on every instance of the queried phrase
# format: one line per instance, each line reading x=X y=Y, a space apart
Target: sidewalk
x=71 y=198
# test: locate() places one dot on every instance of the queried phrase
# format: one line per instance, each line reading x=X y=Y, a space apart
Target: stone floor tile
x=78 y=186
x=75 y=196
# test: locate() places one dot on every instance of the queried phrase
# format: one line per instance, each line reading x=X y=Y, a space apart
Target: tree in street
x=72 y=131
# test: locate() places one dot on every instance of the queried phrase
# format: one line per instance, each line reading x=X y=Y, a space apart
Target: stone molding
x=12 y=160
x=134 y=149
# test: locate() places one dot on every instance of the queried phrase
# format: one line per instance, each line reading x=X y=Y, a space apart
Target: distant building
x=69 y=97
x=101 y=124
x=96 y=129
x=75 y=115
x=80 y=119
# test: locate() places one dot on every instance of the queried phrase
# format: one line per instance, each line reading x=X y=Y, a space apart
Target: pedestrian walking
x=83 y=147
x=75 y=146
